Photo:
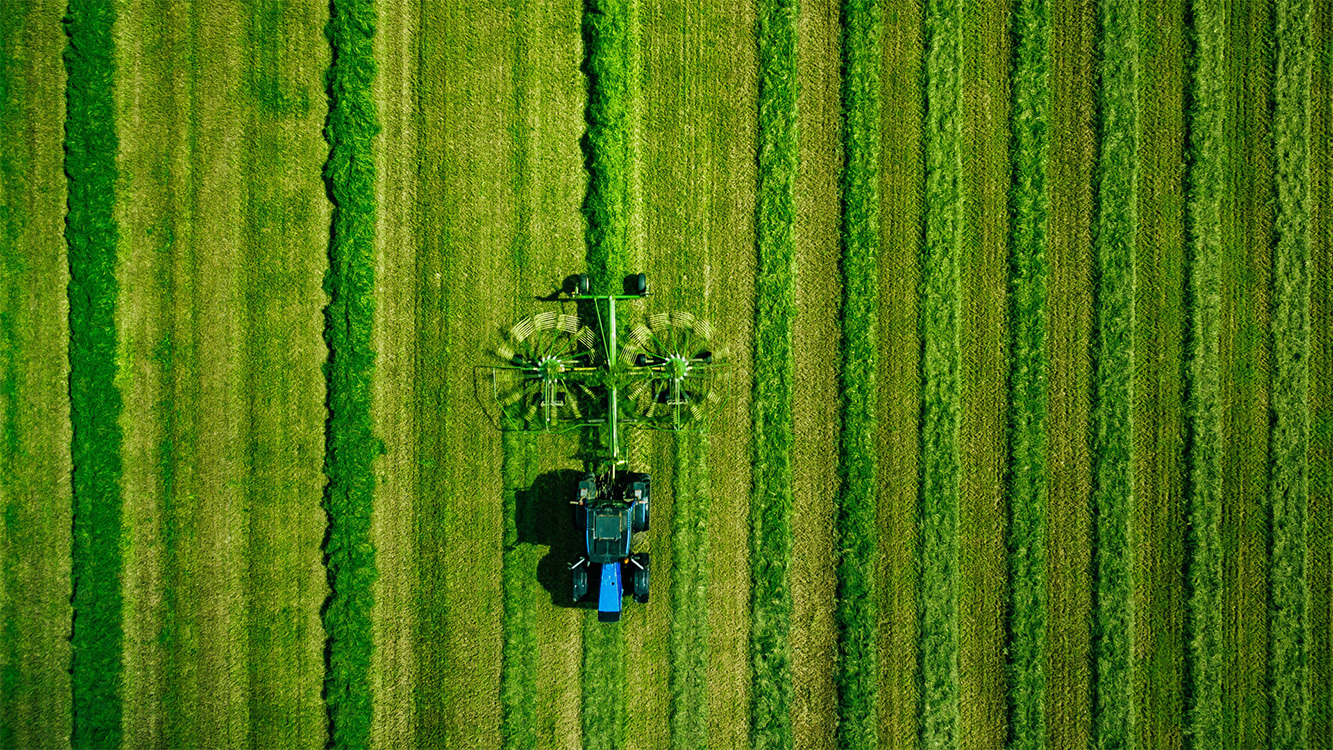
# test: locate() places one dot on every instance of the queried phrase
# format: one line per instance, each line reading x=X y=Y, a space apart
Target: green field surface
x=1027 y=314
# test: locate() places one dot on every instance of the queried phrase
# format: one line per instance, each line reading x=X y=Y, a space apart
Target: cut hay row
x=771 y=494
x=1320 y=541
x=689 y=593
x=1204 y=567
x=1289 y=446
x=611 y=32
x=95 y=404
x=35 y=541
x=350 y=175
x=940 y=411
x=856 y=674
x=1028 y=377
x=1114 y=245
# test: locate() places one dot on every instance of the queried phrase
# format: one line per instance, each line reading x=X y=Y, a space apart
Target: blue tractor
x=559 y=374
x=609 y=513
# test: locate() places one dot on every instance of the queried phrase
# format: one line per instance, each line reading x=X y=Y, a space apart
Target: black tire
x=579 y=583
x=583 y=284
x=580 y=517
x=641 y=360
x=640 y=578
x=636 y=284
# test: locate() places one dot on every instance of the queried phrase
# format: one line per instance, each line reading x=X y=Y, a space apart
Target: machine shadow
x=545 y=518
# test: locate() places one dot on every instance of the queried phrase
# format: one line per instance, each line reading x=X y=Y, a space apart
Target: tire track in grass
x=817 y=295
x=394 y=662
x=856 y=550
x=940 y=402
x=1159 y=471
x=983 y=335
x=771 y=695
x=1289 y=446
x=1028 y=376
x=1114 y=245
x=34 y=378
x=1068 y=455
x=1246 y=362
x=1203 y=617
x=1321 y=381
x=1204 y=668
x=899 y=442
x=95 y=402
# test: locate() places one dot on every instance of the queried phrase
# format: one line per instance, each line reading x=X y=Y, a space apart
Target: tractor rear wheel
x=640 y=577
x=580 y=582
x=580 y=516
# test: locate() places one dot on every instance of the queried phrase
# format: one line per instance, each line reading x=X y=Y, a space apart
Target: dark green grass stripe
x=518 y=681
x=771 y=502
x=856 y=674
x=1027 y=377
x=1114 y=242
x=1289 y=492
x=940 y=408
x=610 y=31
x=1320 y=541
x=349 y=556
x=95 y=404
x=1204 y=663
x=689 y=594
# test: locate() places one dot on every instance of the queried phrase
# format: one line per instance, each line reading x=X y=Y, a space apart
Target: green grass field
x=1027 y=432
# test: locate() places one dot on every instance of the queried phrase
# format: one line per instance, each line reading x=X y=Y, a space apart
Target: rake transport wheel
x=672 y=359
x=533 y=386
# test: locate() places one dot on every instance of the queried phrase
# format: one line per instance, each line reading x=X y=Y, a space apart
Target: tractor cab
x=609 y=510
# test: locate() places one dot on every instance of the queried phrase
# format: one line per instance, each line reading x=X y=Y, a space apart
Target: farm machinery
x=558 y=373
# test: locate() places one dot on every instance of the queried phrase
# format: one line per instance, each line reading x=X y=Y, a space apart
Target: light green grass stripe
x=940 y=410
x=689 y=593
x=1204 y=664
x=518 y=652
x=350 y=558
x=1113 y=472
x=856 y=674
x=1289 y=447
x=771 y=691
x=1028 y=376
x=603 y=683
x=95 y=404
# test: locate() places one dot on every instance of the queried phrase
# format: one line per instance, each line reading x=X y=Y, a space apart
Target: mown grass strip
x=518 y=655
x=689 y=593
x=1028 y=376
x=1204 y=209
x=771 y=500
x=940 y=407
x=1289 y=446
x=1113 y=248
x=95 y=404
x=856 y=673
x=349 y=556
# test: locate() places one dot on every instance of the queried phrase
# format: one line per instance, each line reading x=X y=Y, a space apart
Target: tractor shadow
x=544 y=517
